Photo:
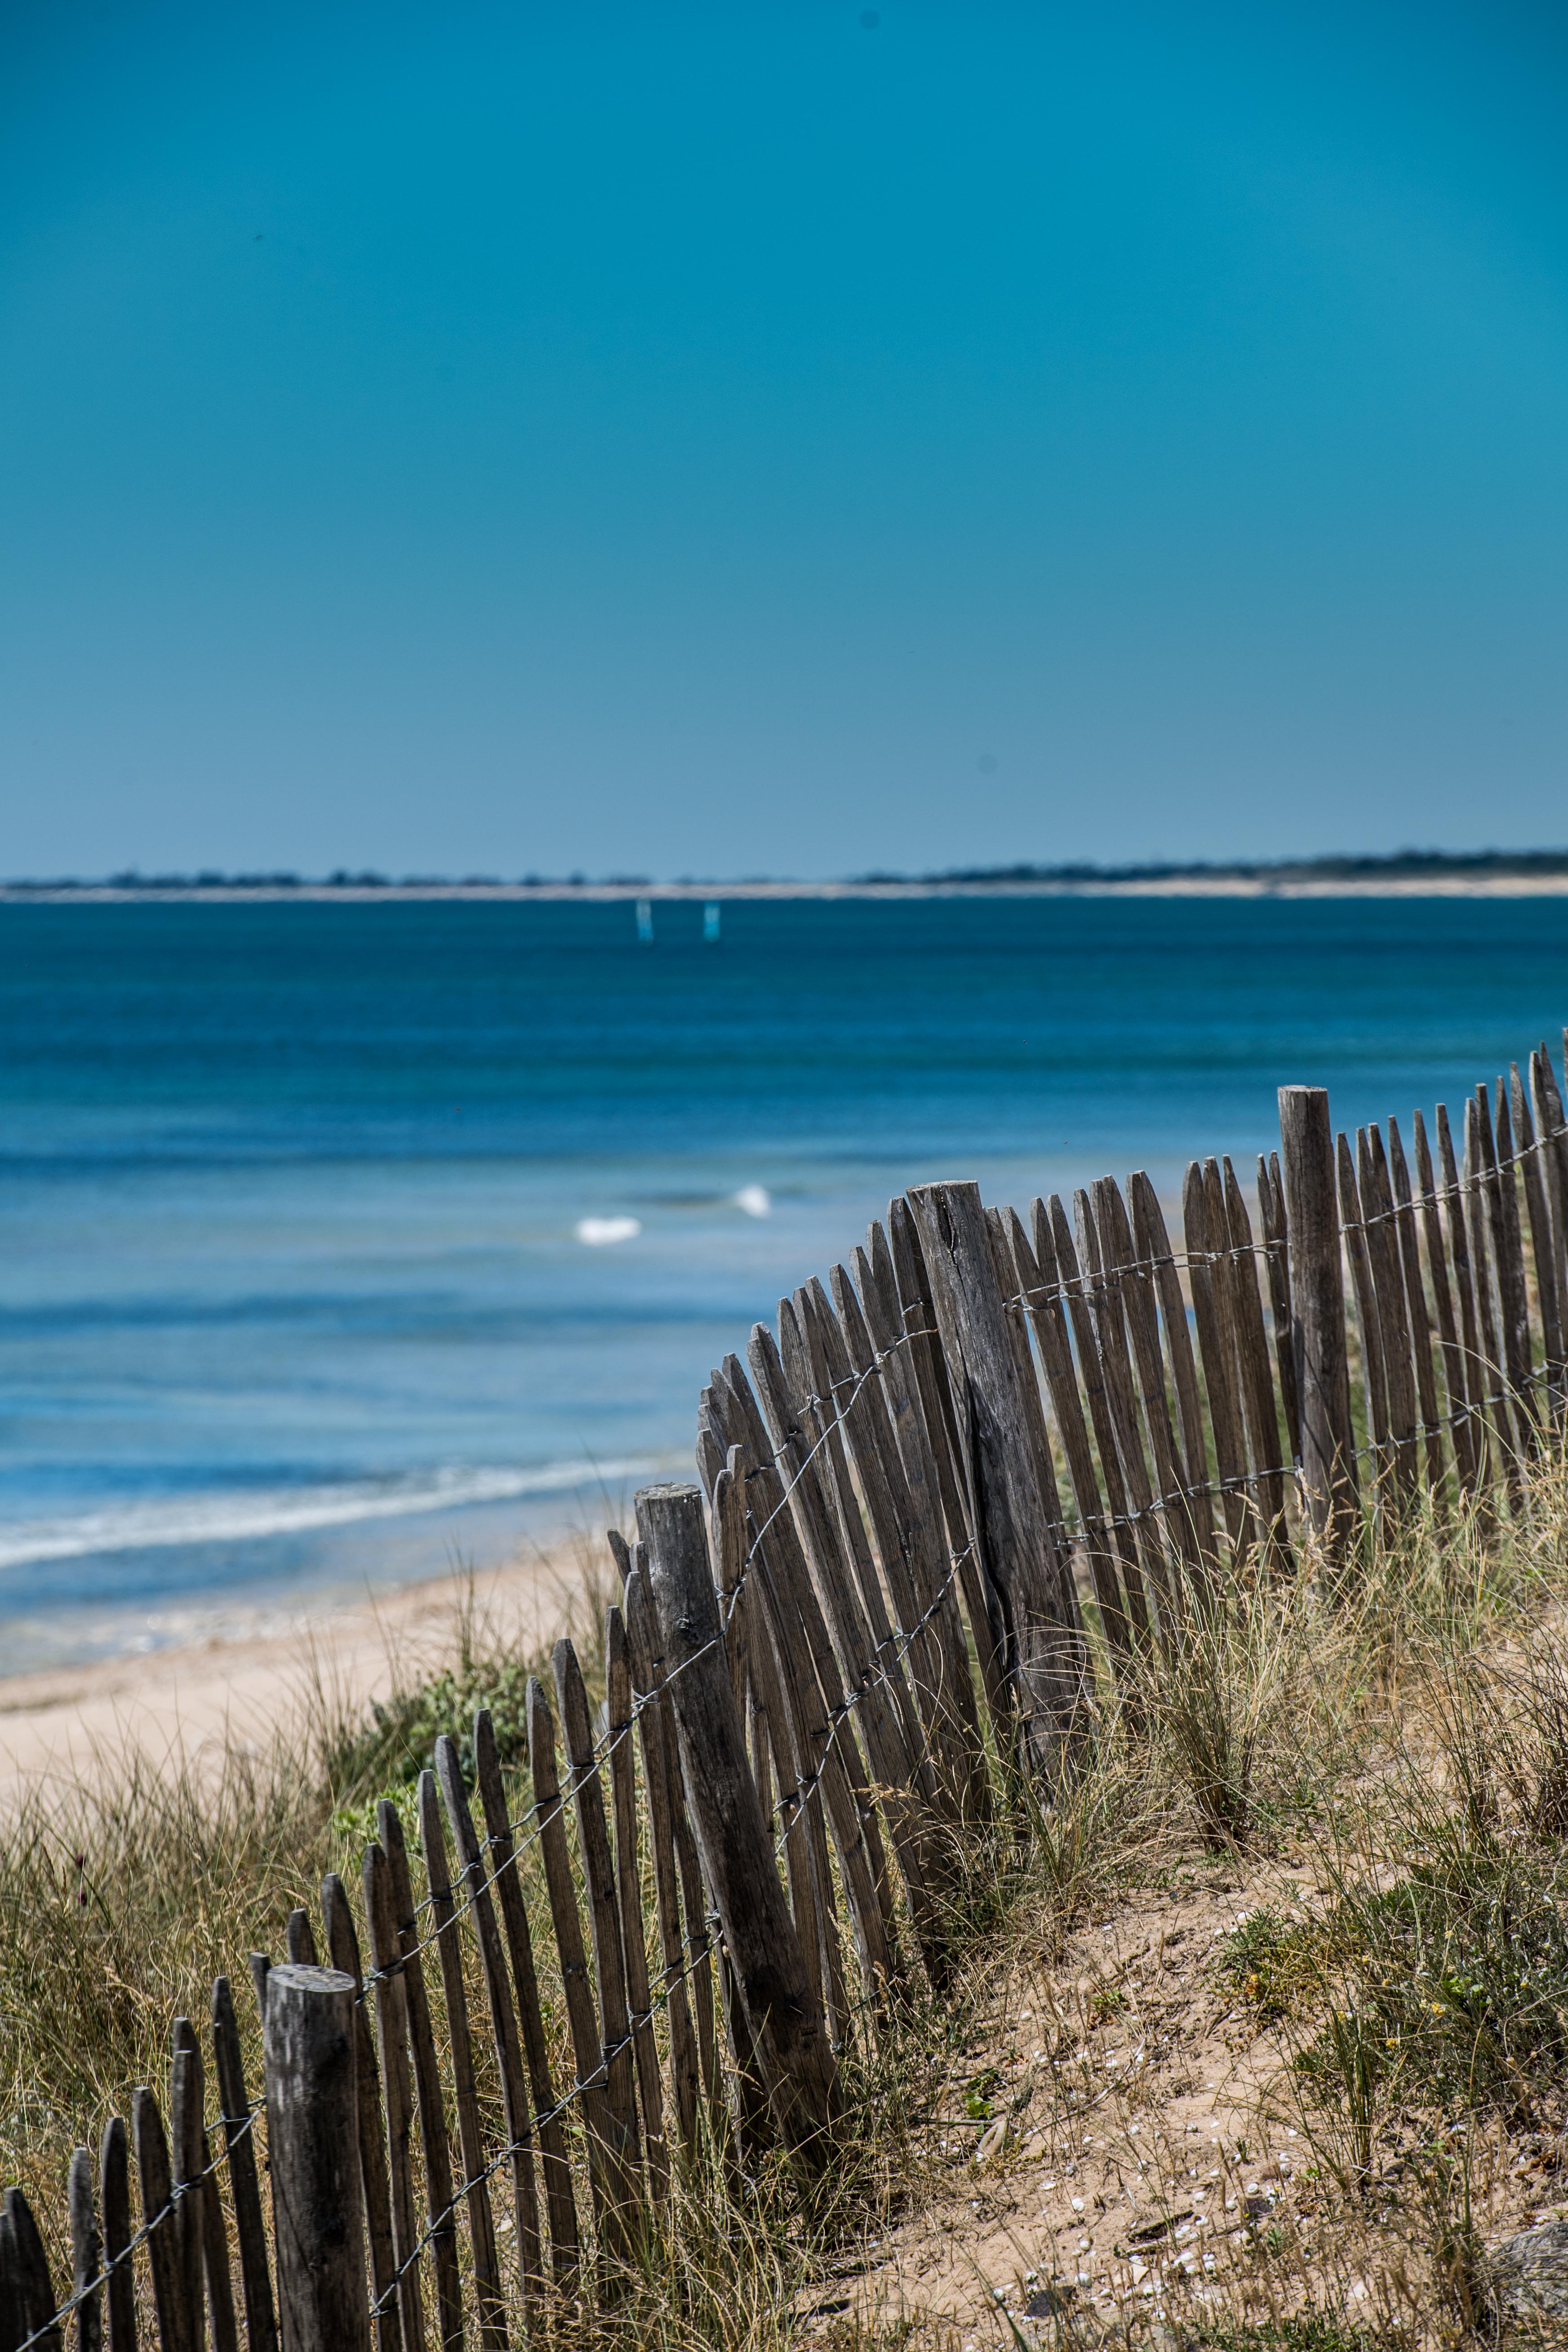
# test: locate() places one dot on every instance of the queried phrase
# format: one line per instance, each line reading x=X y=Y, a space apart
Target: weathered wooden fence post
x=1317 y=1312
x=313 y=2153
x=733 y=1836
x=1019 y=1556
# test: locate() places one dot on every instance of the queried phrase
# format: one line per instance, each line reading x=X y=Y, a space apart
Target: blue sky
x=744 y=439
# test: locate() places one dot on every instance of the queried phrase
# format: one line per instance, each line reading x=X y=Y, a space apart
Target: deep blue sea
x=309 y=1273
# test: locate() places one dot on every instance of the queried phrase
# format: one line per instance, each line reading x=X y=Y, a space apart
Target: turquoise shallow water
x=292 y=1292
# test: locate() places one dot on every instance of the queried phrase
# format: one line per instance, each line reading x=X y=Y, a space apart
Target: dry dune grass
x=1260 y=2036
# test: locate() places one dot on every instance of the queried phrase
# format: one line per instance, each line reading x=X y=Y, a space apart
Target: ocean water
x=341 y=1241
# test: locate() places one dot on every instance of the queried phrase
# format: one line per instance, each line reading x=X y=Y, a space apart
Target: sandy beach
x=243 y=1679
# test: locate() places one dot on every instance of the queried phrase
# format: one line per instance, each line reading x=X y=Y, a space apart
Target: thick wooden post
x=313 y=2152
x=732 y=1836
x=1317 y=1312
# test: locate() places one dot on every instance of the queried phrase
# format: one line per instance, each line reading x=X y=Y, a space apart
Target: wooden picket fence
x=987 y=1468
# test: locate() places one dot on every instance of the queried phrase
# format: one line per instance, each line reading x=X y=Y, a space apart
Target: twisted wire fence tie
x=139 y=2238
x=464 y=1899
x=806 y=1788
x=437 y=2223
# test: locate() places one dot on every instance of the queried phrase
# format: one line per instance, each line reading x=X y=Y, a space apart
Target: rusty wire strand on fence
x=538 y=2123
x=179 y=2189
x=465 y=1898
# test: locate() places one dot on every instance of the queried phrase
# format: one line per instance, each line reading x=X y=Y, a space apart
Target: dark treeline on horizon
x=1395 y=865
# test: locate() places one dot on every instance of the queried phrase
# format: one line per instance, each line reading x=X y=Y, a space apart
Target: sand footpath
x=239 y=1682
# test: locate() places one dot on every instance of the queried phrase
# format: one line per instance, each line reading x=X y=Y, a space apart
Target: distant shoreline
x=1285 y=884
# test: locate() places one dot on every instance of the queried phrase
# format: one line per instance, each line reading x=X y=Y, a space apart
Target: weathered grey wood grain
x=87 y=2252
x=1161 y=1570
x=1405 y=1226
x=878 y=1288
x=1061 y=1586
x=1044 y=1302
x=1461 y=1435
x=244 y=2180
x=260 y=1964
x=390 y=2320
x=622 y=1762
x=299 y=1939
x=1133 y=1286
x=1260 y=1406
x=560 y=2202
x=747 y=1609
x=779 y=1585
x=1461 y=1215
x=1046 y=1654
x=1318 y=1313
x=606 y=2168
x=489 y=2291
x=922 y=1341
x=205 y=2236
x=476 y=1884
x=114 y=2205
x=1553 y=1145
x=1499 y=1186
x=1277 y=1254
x=1353 y=1224
x=1152 y=1245
x=404 y=2300
x=733 y=1839
x=1207 y=1271
x=159 y=2217
x=909 y=1540
x=808 y=1450
x=604 y=1927
x=1482 y=1217
x=868 y=1482
x=1059 y=1271
x=185 y=2168
x=1388 y=1295
x=440 y=2218
x=314 y=2158
x=814 y=1678
x=684 y=2070
x=24 y=2266
x=1542 y=1242
x=1057 y=1254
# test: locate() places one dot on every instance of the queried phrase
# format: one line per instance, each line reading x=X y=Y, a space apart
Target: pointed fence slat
x=441 y=2220
x=918 y=1315
x=1388 y=1303
x=1206 y=1270
x=114 y=2208
x=393 y=2324
x=587 y=2042
x=244 y=2177
x=488 y=2290
x=685 y=2071
x=503 y=2016
x=87 y=2252
x=959 y=1734
x=1161 y=1571
x=404 y=2301
x=1045 y=1654
x=788 y=2029
x=629 y=1894
x=1456 y=1414
x=559 y=2198
x=1260 y=1407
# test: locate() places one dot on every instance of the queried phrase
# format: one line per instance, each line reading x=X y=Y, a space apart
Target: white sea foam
x=600 y=1231
x=755 y=1199
x=233 y=1518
